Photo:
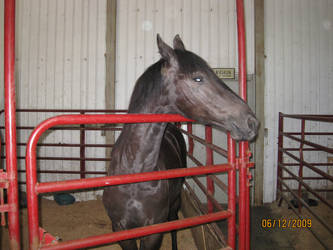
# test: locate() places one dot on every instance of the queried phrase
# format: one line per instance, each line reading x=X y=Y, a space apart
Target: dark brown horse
x=180 y=83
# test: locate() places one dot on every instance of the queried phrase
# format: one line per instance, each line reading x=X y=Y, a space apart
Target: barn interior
x=82 y=57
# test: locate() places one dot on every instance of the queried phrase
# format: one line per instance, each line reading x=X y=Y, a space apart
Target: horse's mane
x=146 y=87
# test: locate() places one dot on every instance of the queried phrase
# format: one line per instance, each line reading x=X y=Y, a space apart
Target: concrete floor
x=276 y=238
x=273 y=238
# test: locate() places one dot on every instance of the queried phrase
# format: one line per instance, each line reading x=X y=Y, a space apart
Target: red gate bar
x=10 y=123
x=57 y=186
x=209 y=161
x=232 y=192
x=139 y=232
x=244 y=194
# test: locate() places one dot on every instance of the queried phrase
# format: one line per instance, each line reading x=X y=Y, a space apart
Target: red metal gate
x=34 y=188
x=293 y=162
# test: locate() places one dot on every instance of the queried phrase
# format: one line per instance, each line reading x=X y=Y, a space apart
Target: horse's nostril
x=253 y=123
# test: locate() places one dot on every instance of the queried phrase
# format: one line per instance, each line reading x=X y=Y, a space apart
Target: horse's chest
x=138 y=203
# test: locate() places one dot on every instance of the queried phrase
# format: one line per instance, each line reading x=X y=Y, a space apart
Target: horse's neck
x=138 y=146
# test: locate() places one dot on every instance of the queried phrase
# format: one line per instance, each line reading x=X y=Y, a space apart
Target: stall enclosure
x=304 y=166
x=62 y=57
x=241 y=164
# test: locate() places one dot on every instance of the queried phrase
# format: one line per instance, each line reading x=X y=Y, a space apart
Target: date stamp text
x=286 y=223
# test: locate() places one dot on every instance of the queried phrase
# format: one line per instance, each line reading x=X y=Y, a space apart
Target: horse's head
x=197 y=93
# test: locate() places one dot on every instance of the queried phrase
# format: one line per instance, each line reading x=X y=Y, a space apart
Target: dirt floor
x=83 y=219
x=89 y=218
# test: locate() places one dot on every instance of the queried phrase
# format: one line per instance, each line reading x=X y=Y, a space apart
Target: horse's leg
x=151 y=242
x=125 y=244
x=174 y=240
x=173 y=215
x=128 y=245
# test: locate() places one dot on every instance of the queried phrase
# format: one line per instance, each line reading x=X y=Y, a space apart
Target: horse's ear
x=166 y=51
x=178 y=43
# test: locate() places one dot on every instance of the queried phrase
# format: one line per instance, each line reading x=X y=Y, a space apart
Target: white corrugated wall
x=60 y=46
x=60 y=53
x=298 y=71
x=207 y=28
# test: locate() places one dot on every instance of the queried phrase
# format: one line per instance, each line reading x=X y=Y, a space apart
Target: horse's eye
x=198 y=79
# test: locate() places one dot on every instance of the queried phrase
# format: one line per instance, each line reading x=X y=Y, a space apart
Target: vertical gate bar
x=32 y=195
x=209 y=161
x=10 y=122
x=244 y=212
x=300 y=170
x=242 y=206
x=232 y=192
x=280 y=157
x=247 y=206
x=82 y=150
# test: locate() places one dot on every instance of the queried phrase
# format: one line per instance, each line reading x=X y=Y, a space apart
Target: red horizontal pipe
x=5 y=208
x=139 y=232
x=315 y=190
x=323 y=118
x=304 y=149
x=61 y=158
x=128 y=178
x=314 y=163
x=66 y=145
x=70 y=128
x=311 y=144
x=70 y=110
x=309 y=165
x=66 y=172
x=309 y=133
x=304 y=178
x=101 y=119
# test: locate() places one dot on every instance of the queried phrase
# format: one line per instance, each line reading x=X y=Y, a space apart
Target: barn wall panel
x=208 y=28
x=298 y=46
x=60 y=64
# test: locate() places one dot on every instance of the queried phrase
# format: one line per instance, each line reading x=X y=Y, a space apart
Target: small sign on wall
x=225 y=73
